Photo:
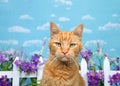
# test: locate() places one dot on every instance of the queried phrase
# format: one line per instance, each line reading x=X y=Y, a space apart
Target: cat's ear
x=53 y=29
x=78 y=30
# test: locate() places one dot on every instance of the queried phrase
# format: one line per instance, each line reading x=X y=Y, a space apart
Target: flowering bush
x=4 y=81
x=114 y=80
x=28 y=66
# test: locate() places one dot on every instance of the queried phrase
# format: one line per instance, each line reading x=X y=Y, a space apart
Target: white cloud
x=109 y=26
x=112 y=49
x=44 y=26
x=5 y=1
x=86 y=30
x=26 y=17
x=94 y=42
x=32 y=42
x=18 y=29
x=64 y=2
x=9 y=42
x=115 y=15
x=87 y=17
x=64 y=19
x=53 y=15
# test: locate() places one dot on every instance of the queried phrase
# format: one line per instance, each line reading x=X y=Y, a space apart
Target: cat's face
x=65 y=46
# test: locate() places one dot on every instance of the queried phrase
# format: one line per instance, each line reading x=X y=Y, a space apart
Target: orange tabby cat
x=62 y=67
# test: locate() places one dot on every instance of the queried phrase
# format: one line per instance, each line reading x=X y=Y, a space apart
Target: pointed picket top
x=15 y=67
x=16 y=73
x=106 y=65
x=40 y=68
x=41 y=59
x=83 y=65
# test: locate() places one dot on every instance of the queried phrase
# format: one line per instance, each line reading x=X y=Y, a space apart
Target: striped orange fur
x=62 y=67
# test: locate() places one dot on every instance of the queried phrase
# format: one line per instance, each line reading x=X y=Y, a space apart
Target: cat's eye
x=72 y=45
x=58 y=44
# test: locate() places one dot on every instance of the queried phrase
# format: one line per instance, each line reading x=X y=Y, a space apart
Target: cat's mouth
x=65 y=59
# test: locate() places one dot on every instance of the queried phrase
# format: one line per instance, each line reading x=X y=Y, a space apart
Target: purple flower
x=117 y=77
x=114 y=79
x=33 y=67
x=92 y=78
x=86 y=54
x=18 y=63
x=101 y=75
x=4 y=81
x=25 y=66
x=2 y=58
x=29 y=67
x=35 y=59
x=111 y=80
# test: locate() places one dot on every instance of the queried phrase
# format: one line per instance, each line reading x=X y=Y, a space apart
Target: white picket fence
x=16 y=74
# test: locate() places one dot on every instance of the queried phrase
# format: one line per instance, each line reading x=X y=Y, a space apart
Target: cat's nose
x=65 y=51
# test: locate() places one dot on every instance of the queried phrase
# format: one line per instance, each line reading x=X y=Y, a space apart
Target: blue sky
x=24 y=24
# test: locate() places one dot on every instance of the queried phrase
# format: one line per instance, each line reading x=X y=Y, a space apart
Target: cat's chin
x=64 y=59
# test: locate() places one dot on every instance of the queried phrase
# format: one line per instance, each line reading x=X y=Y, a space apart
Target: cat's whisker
x=53 y=60
x=74 y=61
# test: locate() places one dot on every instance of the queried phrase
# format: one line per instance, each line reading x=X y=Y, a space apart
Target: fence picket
x=16 y=74
x=106 y=71
x=84 y=70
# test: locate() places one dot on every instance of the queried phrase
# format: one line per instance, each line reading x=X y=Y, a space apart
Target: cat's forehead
x=66 y=36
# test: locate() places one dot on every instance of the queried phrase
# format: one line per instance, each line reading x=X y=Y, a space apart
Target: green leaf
x=100 y=68
x=92 y=68
x=22 y=81
x=34 y=80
